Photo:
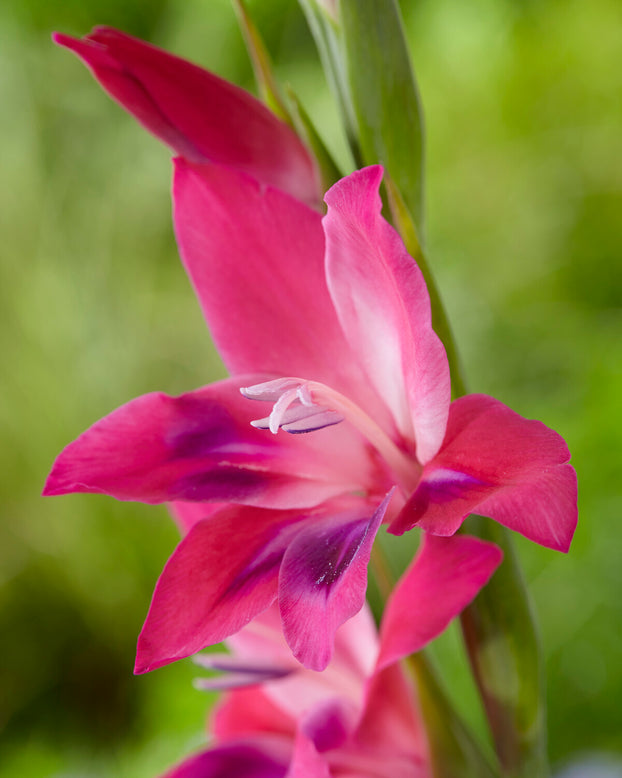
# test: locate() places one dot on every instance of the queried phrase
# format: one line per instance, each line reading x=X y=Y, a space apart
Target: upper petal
x=201 y=446
x=501 y=465
x=384 y=308
x=201 y=116
x=445 y=576
x=256 y=259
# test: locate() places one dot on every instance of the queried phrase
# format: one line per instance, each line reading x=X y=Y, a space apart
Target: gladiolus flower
x=327 y=323
x=359 y=717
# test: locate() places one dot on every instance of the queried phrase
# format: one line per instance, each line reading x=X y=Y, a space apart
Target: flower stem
x=382 y=571
x=504 y=651
x=453 y=751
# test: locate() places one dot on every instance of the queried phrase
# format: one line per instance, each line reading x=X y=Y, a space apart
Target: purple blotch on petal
x=328 y=726
x=444 y=486
x=241 y=760
x=223 y=482
x=333 y=551
x=203 y=428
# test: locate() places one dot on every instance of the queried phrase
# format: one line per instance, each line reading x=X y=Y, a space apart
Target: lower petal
x=445 y=576
x=323 y=581
x=222 y=574
x=247 y=711
x=307 y=762
x=249 y=758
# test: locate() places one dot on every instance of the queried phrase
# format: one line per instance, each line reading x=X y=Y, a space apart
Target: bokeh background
x=524 y=117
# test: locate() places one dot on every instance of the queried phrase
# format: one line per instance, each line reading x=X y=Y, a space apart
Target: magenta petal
x=501 y=465
x=187 y=514
x=200 y=447
x=250 y=758
x=543 y=510
x=384 y=308
x=202 y=117
x=323 y=580
x=445 y=576
x=307 y=762
x=261 y=280
x=222 y=574
x=329 y=724
x=248 y=711
x=390 y=729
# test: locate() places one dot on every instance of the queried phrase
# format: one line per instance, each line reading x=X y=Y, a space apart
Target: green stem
x=504 y=650
x=262 y=66
x=453 y=751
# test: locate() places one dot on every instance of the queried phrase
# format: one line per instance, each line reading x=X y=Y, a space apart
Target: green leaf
x=262 y=66
x=383 y=95
x=329 y=172
x=325 y=30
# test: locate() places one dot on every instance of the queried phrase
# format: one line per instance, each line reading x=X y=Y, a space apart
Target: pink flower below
x=359 y=717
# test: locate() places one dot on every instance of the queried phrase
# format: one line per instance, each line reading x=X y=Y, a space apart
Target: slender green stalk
x=262 y=66
x=327 y=167
x=453 y=751
x=504 y=650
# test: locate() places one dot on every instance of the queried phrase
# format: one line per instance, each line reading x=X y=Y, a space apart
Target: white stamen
x=280 y=407
x=323 y=403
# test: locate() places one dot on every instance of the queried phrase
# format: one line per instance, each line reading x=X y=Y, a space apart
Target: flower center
x=300 y=406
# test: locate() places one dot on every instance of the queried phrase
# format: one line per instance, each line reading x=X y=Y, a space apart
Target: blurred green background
x=524 y=118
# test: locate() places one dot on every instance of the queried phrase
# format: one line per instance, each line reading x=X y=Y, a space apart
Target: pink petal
x=390 y=733
x=496 y=463
x=261 y=280
x=323 y=580
x=445 y=576
x=202 y=117
x=252 y=758
x=329 y=724
x=544 y=510
x=222 y=574
x=247 y=712
x=307 y=761
x=187 y=514
x=201 y=446
x=384 y=308
x=354 y=659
